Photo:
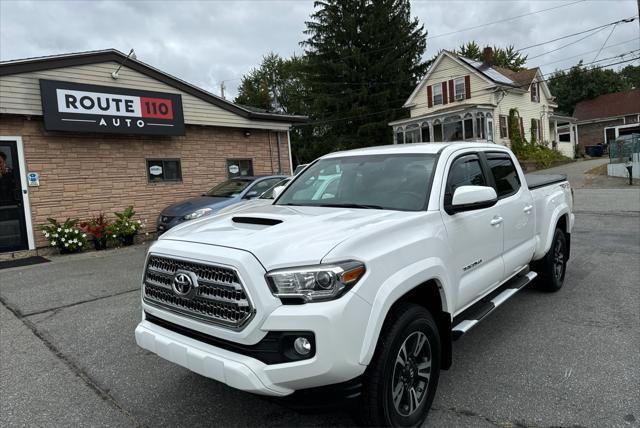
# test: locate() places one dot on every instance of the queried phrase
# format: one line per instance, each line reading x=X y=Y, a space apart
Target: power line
x=568 y=44
x=605 y=42
x=503 y=20
x=625 y=20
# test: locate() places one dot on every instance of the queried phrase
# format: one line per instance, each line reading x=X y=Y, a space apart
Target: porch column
x=430 y=131
x=555 y=131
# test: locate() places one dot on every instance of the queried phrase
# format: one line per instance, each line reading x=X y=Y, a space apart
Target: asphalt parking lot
x=68 y=355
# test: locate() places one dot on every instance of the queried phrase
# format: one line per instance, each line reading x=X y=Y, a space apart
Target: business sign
x=78 y=107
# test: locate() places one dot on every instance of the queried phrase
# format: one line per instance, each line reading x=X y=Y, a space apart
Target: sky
x=208 y=42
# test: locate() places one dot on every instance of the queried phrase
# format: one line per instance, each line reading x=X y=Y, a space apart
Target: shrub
x=67 y=237
x=125 y=227
x=99 y=228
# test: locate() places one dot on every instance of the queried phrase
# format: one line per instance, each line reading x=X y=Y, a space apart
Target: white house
x=463 y=99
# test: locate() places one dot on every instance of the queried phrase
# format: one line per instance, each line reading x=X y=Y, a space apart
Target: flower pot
x=99 y=244
x=127 y=240
x=68 y=251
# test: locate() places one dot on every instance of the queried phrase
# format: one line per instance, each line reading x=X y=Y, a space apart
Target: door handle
x=496 y=221
x=527 y=209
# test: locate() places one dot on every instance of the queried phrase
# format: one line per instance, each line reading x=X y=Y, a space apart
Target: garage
x=95 y=132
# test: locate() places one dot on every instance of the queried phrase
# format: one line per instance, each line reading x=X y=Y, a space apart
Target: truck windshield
x=393 y=182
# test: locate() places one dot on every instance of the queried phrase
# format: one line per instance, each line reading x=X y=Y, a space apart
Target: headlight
x=197 y=213
x=315 y=283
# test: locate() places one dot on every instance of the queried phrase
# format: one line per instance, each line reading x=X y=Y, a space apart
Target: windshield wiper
x=375 y=207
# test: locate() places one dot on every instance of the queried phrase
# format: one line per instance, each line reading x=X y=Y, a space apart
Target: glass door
x=13 y=232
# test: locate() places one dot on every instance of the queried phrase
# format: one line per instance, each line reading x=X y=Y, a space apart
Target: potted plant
x=66 y=236
x=99 y=228
x=125 y=228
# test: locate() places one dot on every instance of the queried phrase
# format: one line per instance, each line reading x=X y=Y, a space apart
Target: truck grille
x=219 y=298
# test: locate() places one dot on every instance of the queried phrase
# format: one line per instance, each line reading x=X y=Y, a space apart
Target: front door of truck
x=515 y=205
x=475 y=236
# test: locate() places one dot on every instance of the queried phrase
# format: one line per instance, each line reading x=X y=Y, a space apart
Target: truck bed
x=535 y=181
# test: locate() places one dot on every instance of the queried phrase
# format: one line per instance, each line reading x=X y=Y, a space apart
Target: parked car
x=264 y=199
x=227 y=193
x=299 y=168
x=364 y=285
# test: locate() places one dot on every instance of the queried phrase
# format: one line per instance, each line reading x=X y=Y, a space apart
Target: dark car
x=224 y=194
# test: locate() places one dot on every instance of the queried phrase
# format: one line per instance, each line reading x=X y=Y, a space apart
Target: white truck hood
x=283 y=236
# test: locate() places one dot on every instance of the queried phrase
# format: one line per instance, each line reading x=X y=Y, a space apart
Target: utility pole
x=276 y=107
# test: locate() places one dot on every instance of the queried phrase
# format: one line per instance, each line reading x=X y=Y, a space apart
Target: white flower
x=80 y=244
x=66 y=245
x=75 y=241
x=147 y=233
x=46 y=235
x=114 y=235
x=84 y=235
x=54 y=243
x=77 y=231
x=139 y=222
x=62 y=239
x=59 y=230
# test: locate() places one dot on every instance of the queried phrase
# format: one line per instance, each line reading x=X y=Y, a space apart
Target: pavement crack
x=75 y=369
x=70 y=305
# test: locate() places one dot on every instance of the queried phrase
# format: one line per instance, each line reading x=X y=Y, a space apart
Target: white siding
x=446 y=70
x=20 y=94
x=528 y=110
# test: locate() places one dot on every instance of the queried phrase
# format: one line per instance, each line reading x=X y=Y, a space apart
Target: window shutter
x=467 y=86
x=429 y=96
x=452 y=94
x=445 y=97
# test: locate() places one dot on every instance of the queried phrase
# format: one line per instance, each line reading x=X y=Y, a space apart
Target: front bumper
x=337 y=326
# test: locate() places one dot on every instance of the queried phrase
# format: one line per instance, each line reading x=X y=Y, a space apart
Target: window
x=436 y=90
x=468 y=126
x=631 y=119
x=230 y=188
x=504 y=133
x=564 y=138
x=437 y=131
x=262 y=186
x=452 y=129
x=609 y=135
x=535 y=129
x=239 y=167
x=465 y=171
x=534 y=92
x=425 y=133
x=459 y=88
x=394 y=182
x=504 y=173
x=164 y=170
x=412 y=134
x=489 y=127
x=480 y=126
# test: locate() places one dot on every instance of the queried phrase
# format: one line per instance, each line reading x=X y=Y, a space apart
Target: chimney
x=487 y=54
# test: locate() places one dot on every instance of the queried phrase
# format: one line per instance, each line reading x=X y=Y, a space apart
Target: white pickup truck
x=364 y=284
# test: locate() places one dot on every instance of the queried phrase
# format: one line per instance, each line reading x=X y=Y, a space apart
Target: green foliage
x=631 y=74
x=534 y=131
x=582 y=83
x=125 y=225
x=518 y=142
x=507 y=57
x=541 y=155
x=274 y=73
x=65 y=236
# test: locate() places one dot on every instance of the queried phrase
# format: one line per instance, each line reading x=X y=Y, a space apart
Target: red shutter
x=467 y=87
x=452 y=95
x=445 y=98
x=429 y=96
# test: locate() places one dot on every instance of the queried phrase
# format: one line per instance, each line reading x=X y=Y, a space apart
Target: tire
x=408 y=327
x=552 y=267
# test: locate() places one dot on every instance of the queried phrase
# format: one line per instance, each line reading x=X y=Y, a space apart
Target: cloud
x=205 y=42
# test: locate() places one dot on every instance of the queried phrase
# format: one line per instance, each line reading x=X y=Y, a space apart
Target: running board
x=484 y=307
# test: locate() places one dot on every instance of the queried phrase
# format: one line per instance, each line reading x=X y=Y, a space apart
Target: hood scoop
x=257 y=220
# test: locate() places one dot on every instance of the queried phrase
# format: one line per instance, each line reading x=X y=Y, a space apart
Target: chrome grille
x=220 y=297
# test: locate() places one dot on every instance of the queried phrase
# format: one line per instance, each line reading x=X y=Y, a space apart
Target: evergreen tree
x=363 y=60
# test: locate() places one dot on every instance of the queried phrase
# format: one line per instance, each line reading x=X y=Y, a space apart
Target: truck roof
x=413 y=148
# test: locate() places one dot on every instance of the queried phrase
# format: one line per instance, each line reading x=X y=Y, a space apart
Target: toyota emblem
x=185 y=284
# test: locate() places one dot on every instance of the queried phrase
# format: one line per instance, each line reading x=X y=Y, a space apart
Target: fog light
x=302 y=345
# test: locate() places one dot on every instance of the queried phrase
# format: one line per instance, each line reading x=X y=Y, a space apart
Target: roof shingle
x=609 y=105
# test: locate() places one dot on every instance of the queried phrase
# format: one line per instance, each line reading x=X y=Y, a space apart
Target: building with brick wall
x=78 y=140
x=605 y=118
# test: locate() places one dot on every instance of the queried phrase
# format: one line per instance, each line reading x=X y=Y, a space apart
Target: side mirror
x=277 y=191
x=251 y=194
x=468 y=198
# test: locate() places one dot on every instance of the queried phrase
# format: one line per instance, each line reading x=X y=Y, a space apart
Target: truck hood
x=282 y=236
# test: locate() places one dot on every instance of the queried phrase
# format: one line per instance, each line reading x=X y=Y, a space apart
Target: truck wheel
x=400 y=383
x=552 y=267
